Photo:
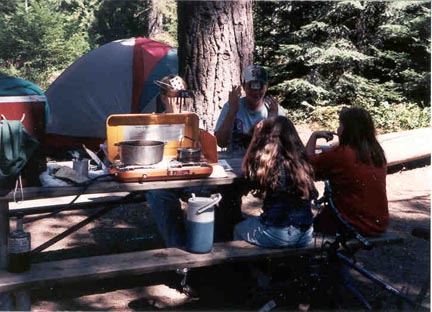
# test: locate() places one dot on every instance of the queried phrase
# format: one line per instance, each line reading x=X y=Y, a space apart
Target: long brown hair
x=359 y=133
x=276 y=150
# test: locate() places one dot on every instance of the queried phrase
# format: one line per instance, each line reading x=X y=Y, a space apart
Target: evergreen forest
x=321 y=54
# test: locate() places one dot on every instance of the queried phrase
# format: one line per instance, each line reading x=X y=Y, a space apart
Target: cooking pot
x=140 y=152
x=188 y=154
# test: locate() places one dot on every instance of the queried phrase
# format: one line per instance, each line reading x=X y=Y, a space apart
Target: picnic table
x=98 y=187
x=15 y=287
x=14 y=292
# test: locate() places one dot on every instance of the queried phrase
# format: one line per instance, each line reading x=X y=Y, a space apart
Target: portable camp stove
x=172 y=129
x=167 y=169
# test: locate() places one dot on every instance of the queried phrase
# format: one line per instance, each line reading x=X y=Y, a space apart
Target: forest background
x=321 y=54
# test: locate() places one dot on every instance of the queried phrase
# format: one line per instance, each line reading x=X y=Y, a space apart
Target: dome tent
x=115 y=78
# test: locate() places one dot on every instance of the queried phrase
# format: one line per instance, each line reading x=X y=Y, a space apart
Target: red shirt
x=359 y=190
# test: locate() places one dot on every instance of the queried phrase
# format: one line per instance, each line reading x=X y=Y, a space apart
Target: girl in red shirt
x=357 y=170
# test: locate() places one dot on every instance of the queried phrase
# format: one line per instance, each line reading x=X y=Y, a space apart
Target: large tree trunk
x=154 y=20
x=216 y=43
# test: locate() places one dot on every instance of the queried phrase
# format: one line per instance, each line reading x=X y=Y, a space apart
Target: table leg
x=6 y=302
x=22 y=300
x=4 y=232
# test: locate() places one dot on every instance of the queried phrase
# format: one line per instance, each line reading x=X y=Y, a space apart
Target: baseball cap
x=255 y=73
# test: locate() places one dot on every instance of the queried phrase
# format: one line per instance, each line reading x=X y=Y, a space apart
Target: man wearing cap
x=240 y=114
x=233 y=130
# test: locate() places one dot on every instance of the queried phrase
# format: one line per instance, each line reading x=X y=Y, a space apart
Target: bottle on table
x=19 y=247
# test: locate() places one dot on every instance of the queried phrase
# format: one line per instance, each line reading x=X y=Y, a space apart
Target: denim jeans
x=257 y=233
x=167 y=213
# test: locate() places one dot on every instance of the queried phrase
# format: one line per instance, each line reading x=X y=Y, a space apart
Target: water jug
x=19 y=246
x=200 y=223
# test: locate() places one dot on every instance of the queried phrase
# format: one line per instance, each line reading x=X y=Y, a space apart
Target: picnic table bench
x=15 y=287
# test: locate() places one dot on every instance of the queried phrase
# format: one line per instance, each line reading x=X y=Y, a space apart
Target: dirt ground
x=406 y=267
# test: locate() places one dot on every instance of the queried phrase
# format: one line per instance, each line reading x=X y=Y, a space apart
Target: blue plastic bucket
x=200 y=223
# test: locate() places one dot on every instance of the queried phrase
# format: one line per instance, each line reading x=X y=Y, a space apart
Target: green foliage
x=38 y=41
x=399 y=116
x=323 y=54
x=299 y=90
x=387 y=118
x=357 y=90
x=317 y=118
x=124 y=19
x=7 y=6
x=118 y=20
x=168 y=9
x=368 y=53
x=340 y=54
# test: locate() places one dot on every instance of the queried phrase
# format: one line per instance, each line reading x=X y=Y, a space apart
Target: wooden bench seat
x=48 y=274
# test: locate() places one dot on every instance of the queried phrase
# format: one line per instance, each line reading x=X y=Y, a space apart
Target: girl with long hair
x=356 y=170
x=277 y=168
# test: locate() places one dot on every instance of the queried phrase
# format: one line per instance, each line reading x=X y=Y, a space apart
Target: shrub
x=387 y=118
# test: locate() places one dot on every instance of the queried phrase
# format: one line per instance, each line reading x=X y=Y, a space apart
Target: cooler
x=30 y=108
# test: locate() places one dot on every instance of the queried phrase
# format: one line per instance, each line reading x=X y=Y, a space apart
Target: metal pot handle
x=195 y=143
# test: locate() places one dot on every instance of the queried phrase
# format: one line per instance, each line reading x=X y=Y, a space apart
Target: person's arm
x=223 y=134
x=272 y=106
x=257 y=128
x=311 y=144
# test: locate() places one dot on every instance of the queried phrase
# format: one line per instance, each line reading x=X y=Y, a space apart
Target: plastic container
x=81 y=166
x=200 y=223
x=19 y=246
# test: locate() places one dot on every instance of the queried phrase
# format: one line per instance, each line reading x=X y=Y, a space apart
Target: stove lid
x=177 y=130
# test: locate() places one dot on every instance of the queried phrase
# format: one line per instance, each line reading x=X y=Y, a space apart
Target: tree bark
x=216 y=42
x=154 y=20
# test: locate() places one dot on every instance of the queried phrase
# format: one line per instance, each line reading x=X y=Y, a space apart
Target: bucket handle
x=216 y=199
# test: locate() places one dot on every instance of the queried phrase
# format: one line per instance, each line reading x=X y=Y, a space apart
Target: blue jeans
x=167 y=213
x=257 y=233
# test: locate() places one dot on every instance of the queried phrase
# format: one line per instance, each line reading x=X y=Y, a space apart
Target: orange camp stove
x=177 y=131
x=165 y=170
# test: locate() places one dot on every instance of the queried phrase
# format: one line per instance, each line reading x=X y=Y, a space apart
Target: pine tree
x=350 y=52
x=39 y=40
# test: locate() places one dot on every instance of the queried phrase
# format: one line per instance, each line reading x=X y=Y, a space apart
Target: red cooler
x=32 y=109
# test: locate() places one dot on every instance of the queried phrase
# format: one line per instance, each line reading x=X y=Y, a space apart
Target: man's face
x=254 y=95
